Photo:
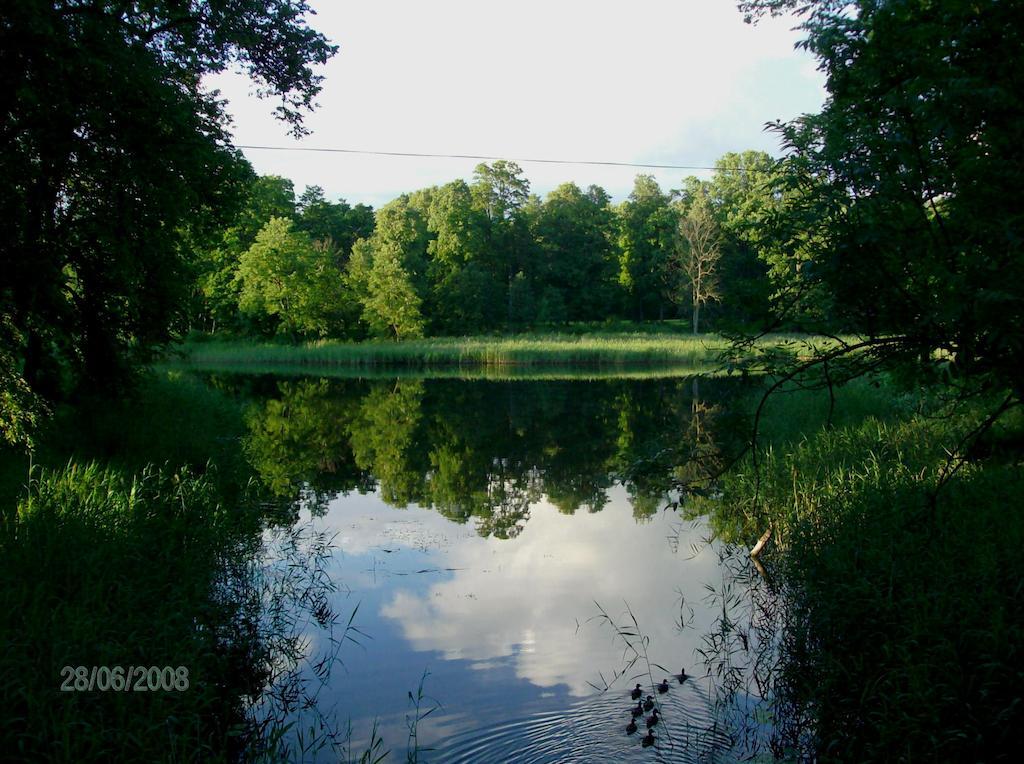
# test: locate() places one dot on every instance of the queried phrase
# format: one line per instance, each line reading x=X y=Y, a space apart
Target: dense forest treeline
x=470 y=257
x=130 y=217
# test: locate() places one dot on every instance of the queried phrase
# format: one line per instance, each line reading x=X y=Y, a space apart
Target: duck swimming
x=663 y=687
x=649 y=703
x=636 y=693
x=648 y=739
x=638 y=709
x=682 y=676
x=652 y=719
x=631 y=727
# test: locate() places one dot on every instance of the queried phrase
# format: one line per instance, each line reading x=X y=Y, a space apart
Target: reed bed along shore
x=603 y=351
x=504 y=373
x=902 y=592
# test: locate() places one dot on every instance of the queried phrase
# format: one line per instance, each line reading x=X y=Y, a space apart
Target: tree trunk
x=696 y=317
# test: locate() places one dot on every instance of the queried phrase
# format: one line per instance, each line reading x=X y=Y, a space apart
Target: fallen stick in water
x=760 y=543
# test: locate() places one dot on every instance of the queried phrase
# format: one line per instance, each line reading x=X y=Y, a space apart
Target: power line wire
x=476 y=156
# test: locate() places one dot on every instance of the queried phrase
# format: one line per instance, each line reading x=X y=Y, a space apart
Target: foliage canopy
x=907 y=181
x=117 y=161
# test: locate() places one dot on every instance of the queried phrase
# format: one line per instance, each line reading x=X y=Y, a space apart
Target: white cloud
x=665 y=81
x=525 y=599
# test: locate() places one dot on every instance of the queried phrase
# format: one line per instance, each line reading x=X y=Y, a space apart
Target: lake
x=494 y=564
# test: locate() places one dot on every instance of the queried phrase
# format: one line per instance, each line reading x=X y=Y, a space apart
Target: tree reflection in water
x=486 y=450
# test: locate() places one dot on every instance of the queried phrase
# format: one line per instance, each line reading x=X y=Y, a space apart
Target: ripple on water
x=594 y=730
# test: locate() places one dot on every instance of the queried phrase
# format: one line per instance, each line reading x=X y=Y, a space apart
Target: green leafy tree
x=522 y=301
x=333 y=223
x=392 y=307
x=288 y=277
x=465 y=294
x=355 y=282
x=116 y=161
x=647 y=231
x=20 y=408
x=908 y=185
x=746 y=194
x=500 y=189
x=763 y=238
x=500 y=193
x=910 y=178
x=267 y=196
x=401 y=229
x=357 y=270
x=388 y=272
x=578 y=268
x=458 y=231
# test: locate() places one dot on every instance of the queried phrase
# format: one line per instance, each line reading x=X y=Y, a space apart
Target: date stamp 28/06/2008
x=124 y=679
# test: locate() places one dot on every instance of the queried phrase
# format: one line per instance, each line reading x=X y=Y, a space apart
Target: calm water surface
x=481 y=528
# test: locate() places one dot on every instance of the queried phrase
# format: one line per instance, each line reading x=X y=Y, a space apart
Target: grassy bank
x=107 y=561
x=105 y=569
x=595 y=351
x=905 y=619
x=504 y=373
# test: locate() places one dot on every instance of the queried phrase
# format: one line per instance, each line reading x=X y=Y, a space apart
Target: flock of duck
x=642 y=706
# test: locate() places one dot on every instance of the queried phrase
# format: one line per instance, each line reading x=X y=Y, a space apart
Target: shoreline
x=453 y=355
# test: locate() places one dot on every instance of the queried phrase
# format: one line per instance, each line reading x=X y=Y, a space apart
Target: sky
x=650 y=81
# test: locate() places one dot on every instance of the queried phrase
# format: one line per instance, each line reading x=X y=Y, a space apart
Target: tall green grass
x=109 y=561
x=906 y=619
x=504 y=373
x=103 y=569
x=609 y=350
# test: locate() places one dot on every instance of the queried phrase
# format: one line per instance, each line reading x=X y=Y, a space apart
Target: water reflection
x=486 y=450
x=506 y=628
x=480 y=526
x=513 y=601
